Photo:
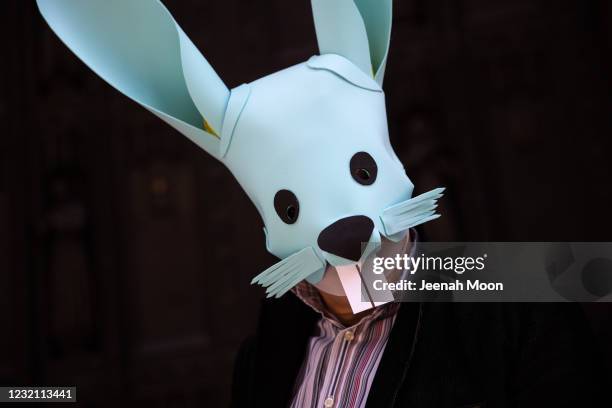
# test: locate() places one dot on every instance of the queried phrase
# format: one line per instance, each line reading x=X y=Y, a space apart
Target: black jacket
x=440 y=355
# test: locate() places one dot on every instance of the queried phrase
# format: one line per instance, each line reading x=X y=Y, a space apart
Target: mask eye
x=287 y=206
x=363 y=168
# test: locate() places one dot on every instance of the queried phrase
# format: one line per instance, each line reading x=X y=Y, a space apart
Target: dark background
x=126 y=252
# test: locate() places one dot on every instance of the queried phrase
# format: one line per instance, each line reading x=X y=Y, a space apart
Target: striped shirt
x=341 y=361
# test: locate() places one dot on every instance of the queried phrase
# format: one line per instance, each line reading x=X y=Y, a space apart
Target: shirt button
x=329 y=402
x=348 y=336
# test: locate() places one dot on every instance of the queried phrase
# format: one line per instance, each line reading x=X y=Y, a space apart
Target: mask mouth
x=334 y=279
x=354 y=281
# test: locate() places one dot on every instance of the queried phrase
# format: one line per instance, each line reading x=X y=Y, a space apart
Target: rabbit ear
x=137 y=47
x=359 y=30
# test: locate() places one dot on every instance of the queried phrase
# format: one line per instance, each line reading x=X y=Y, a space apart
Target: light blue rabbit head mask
x=309 y=144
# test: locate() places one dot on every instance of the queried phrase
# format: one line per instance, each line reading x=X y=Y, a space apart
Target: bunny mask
x=309 y=144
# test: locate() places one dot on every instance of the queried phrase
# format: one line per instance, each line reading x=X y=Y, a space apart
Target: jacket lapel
x=284 y=329
x=395 y=361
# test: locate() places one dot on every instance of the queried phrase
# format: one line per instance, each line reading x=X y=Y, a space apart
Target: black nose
x=345 y=237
